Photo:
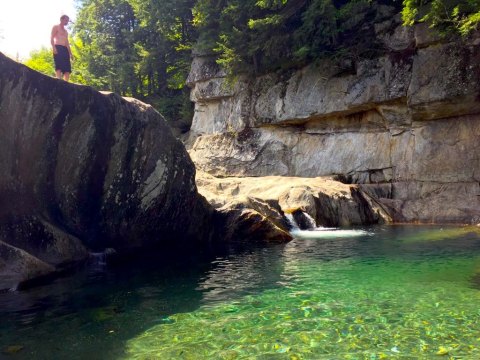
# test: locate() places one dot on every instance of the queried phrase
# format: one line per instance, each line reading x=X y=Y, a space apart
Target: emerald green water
x=393 y=293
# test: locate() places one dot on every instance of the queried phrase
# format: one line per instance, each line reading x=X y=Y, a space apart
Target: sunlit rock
x=255 y=208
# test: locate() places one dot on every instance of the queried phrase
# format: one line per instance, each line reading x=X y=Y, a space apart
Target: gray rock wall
x=406 y=125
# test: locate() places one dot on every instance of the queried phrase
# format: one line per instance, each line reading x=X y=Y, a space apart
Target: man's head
x=64 y=19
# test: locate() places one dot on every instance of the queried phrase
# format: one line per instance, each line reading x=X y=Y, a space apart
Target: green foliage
x=176 y=108
x=105 y=29
x=469 y=22
x=80 y=67
x=256 y=36
x=448 y=16
x=318 y=30
x=138 y=48
x=142 y=48
x=165 y=35
x=42 y=61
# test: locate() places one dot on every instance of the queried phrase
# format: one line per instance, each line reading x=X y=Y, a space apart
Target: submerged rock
x=84 y=171
x=17 y=266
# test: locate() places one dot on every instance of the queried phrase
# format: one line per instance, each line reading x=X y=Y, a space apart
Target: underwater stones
x=355 y=304
x=12 y=349
x=95 y=169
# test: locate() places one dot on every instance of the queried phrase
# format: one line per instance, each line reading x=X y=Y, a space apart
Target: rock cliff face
x=404 y=126
x=83 y=171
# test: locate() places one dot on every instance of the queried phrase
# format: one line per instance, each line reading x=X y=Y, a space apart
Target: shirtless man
x=61 y=49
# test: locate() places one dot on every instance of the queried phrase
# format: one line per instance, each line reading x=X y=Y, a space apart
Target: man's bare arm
x=52 y=37
x=68 y=47
x=69 y=50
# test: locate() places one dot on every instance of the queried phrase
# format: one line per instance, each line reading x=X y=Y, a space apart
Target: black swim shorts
x=62 y=59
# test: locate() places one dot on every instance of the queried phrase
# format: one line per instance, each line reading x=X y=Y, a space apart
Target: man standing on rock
x=61 y=49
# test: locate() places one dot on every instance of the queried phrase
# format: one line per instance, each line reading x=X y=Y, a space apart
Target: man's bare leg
x=66 y=76
x=58 y=74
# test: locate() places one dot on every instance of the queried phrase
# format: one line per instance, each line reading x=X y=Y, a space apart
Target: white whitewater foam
x=320 y=232
x=327 y=233
x=292 y=222
x=311 y=221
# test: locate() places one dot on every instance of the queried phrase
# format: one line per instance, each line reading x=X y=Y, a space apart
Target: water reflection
x=242 y=274
x=94 y=311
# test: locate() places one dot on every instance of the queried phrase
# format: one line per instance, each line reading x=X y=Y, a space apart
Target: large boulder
x=83 y=171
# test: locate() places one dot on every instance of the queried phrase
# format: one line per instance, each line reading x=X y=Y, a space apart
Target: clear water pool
x=397 y=292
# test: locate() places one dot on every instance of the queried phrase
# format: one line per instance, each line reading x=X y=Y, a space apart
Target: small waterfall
x=300 y=220
x=99 y=259
x=311 y=221
x=291 y=221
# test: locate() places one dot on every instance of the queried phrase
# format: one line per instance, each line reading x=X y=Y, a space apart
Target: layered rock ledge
x=256 y=208
x=83 y=171
x=404 y=126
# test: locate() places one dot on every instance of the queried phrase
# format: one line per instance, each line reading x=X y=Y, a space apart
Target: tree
x=258 y=36
x=138 y=48
x=448 y=16
x=42 y=61
x=105 y=28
